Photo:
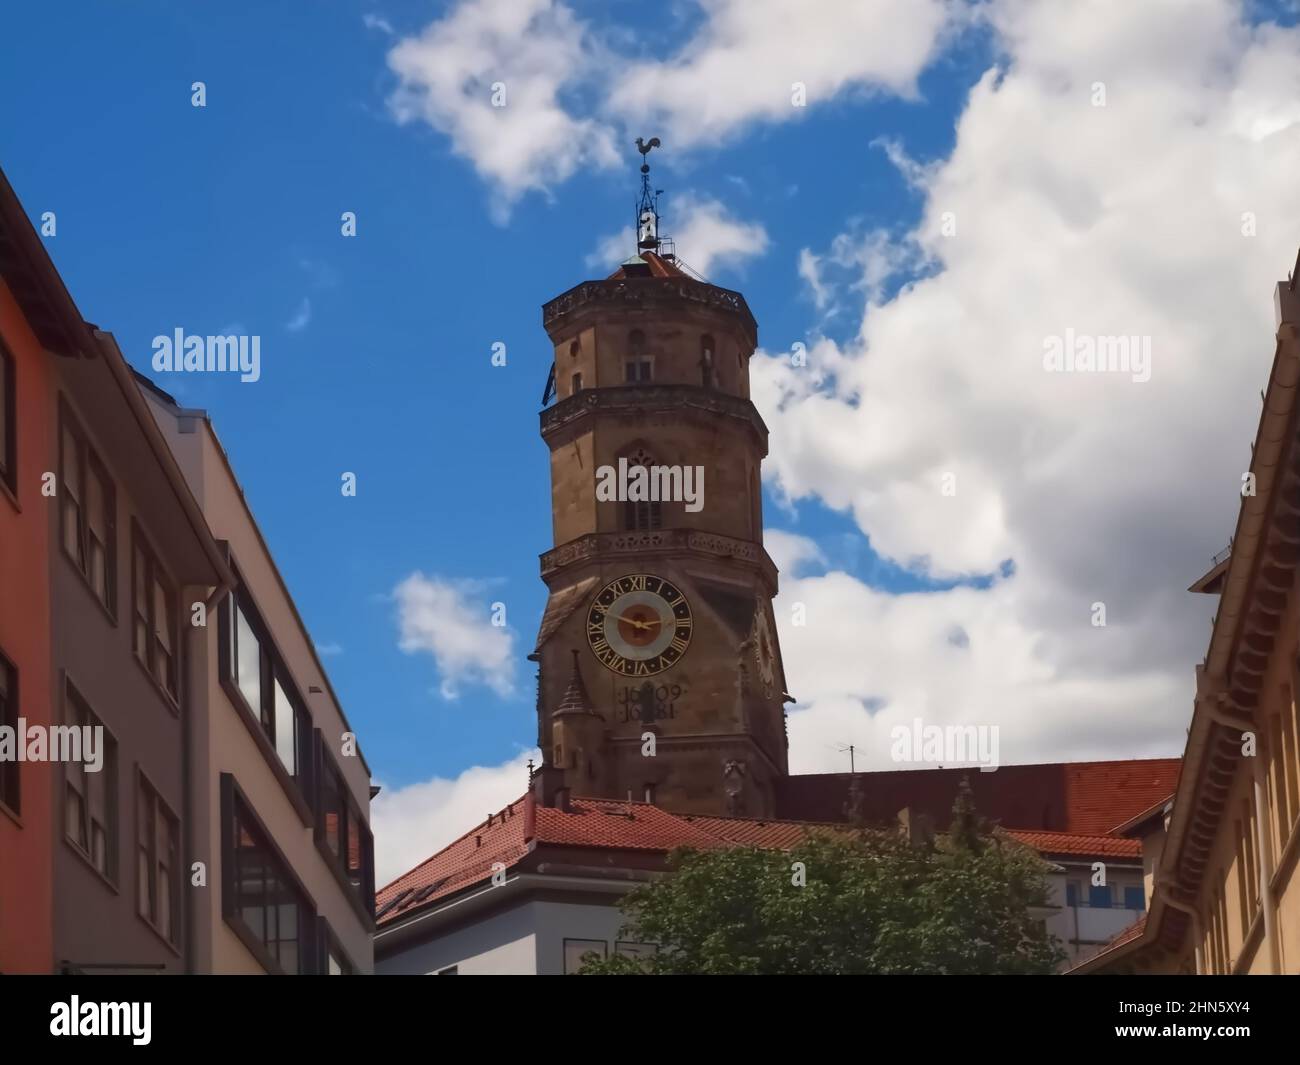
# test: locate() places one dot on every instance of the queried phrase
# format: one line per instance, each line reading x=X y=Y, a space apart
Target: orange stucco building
x=26 y=832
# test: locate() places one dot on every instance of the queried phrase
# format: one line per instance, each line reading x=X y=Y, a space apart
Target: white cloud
x=747 y=54
x=451 y=620
x=377 y=22
x=530 y=50
x=327 y=650
x=301 y=317
x=791 y=552
x=575 y=101
x=810 y=272
x=706 y=235
x=413 y=823
x=1117 y=220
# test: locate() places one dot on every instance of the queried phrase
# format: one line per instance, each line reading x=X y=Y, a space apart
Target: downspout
x=1263 y=833
x=191 y=773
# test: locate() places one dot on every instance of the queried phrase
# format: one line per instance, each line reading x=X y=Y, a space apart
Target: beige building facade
x=282 y=790
x=1222 y=858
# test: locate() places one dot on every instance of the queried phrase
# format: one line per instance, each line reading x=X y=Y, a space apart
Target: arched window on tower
x=640 y=366
x=707 y=350
x=642 y=515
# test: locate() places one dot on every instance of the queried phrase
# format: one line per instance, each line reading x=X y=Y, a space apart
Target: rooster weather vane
x=647 y=208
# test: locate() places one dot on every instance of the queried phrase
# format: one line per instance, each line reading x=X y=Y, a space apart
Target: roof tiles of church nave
x=1100 y=793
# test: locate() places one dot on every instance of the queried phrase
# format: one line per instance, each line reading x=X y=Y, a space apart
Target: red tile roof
x=603 y=824
x=1069 y=844
x=609 y=825
x=659 y=267
x=1082 y=798
x=1122 y=939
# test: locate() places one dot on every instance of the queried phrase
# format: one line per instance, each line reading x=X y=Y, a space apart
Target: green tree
x=871 y=901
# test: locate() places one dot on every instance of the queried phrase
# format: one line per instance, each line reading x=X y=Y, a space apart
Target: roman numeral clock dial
x=639 y=625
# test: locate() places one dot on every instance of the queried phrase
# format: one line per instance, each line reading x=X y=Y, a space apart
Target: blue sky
x=376 y=349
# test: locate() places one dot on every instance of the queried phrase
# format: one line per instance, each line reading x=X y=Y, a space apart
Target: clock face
x=639 y=625
x=764 y=648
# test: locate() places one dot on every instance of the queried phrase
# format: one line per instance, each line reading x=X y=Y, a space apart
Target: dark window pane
x=1099 y=897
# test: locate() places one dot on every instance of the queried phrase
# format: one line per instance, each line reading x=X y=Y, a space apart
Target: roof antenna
x=647 y=208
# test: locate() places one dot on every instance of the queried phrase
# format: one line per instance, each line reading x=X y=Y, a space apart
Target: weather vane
x=647 y=208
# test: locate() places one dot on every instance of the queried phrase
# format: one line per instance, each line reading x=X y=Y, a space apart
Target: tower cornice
x=643 y=545
x=646 y=293
x=648 y=399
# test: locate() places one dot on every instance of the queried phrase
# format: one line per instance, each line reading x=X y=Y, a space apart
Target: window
x=341 y=831
x=261 y=681
x=334 y=959
x=87 y=513
x=574 y=349
x=576 y=384
x=154 y=638
x=643 y=515
x=707 y=349
x=157 y=841
x=1099 y=897
x=575 y=949
x=639 y=370
x=260 y=898
x=10 y=794
x=89 y=807
x=8 y=421
x=1072 y=894
x=1134 y=898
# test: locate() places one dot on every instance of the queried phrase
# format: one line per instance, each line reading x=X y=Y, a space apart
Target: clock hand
x=640 y=624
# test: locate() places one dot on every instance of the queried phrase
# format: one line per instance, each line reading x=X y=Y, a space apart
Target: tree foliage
x=873 y=901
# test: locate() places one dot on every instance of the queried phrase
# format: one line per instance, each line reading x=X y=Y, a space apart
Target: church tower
x=659 y=673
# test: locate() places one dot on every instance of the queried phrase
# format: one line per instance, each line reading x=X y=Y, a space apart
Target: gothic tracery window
x=642 y=515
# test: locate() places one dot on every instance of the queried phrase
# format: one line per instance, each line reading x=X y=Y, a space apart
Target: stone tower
x=659 y=622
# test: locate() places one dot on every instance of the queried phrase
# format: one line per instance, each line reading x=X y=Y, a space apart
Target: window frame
x=260 y=721
x=146 y=792
x=638 y=370
x=642 y=515
x=9 y=411
x=88 y=465
x=11 y=787
x=1096 y=891
x=237 y=812
x=74 y=701
x=604 y=952
x=326 y=772
x=155 y=575
x=708 y=361
x=329 y=948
